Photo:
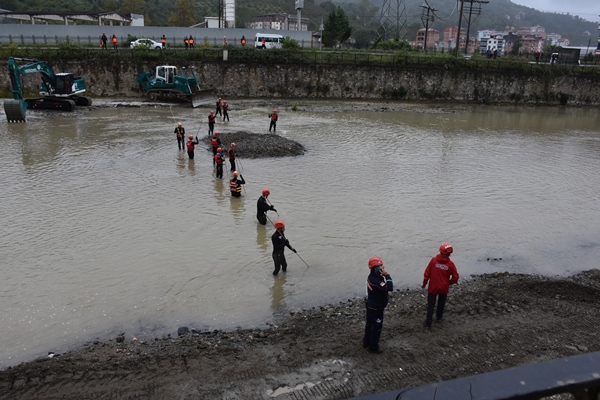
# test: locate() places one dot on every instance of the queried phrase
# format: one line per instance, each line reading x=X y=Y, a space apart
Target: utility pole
x=459 y=23
x=425 y=19
x=477 y=12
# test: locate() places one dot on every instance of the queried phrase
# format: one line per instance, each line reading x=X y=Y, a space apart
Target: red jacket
x=440 y=273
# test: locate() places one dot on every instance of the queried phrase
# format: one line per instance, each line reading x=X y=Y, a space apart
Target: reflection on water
x=105 y=226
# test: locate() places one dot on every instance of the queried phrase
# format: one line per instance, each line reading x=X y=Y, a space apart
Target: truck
x=165 y=84
x=59 y=91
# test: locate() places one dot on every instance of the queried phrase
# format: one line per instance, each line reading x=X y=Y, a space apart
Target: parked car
x=147 y=43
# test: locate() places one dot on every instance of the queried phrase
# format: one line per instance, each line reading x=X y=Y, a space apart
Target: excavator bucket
x=203 y=97
x=15 y=110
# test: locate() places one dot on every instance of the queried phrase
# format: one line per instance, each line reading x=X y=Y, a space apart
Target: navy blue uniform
x=261 y=208
x=377 y=299
x=279 y=245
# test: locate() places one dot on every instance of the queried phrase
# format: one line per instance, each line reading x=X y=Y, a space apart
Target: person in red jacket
x=440 y=274
x=231 y=154
x=190 y=144
x=274 y=119
x=218 y=159
x=215 y=142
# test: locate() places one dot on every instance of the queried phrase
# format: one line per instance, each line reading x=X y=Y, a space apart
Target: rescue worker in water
x=180 y=133
x=215 y=142
x=211 y=122
x=235 y=184
x=279 y=245
x=190 y=144
x=262 y=206
x=231 y=154
x=219 y=159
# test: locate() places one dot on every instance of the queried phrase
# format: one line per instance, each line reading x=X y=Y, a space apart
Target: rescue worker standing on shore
x=379 y=283
x=114 y=41
x=211 y=122
x=440 y=274
x=218 y=159
x=231 y=154
x=262 y=206
x=235 y=184
x=191 y=146
x=163 y=40
x=274 y=119
x=215 y=142
x=279 y=245
x=180 y=133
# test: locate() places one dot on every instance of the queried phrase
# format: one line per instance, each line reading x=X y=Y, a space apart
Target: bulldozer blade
x=203 y=97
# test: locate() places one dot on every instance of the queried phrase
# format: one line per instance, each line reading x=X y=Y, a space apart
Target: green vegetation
x=362 y=15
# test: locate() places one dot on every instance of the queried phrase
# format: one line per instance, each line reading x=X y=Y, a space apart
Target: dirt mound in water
x=492 y=322
x=255 y=145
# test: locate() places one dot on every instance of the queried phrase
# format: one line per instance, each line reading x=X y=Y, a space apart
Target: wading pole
x=296 y=252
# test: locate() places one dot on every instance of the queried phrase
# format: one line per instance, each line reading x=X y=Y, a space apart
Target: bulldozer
x=59 y=91
x=165 y=84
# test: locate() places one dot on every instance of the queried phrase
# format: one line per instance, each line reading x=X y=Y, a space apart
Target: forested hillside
x=364 y=15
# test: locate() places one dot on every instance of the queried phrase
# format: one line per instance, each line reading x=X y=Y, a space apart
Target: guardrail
x=577 y=375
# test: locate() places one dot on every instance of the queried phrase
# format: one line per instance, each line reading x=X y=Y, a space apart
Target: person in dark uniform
x=279 y=245
x=262 y=206
x=211 y=122
x=215 y=142
x=218 y=106
x=235 y=184
x=231 y=154
x=191 y=146
x=103 y=40
x=274 y=119
x=379 y=283
x=180 y=133
x=219 y=159
x=225 y=111
x=191 y=42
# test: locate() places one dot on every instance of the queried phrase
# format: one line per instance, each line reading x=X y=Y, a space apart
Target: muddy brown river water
x=106 y=227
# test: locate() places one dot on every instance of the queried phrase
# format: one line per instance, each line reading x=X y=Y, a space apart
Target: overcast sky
x=587 y=9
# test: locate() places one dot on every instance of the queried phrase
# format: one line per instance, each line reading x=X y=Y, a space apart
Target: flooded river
x=105 y=227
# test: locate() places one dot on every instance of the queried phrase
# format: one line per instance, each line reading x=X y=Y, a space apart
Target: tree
x=184 y=14
x=132 y=6
x=336 y=29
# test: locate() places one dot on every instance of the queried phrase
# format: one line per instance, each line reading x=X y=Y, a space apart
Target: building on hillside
x=553 y=39
x=531 y=43
x=509 y=42
x=493 y=43
x=448 y=40
x=278 y=22
x=433 y=37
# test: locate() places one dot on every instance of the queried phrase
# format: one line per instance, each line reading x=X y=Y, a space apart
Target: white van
x=271 y=41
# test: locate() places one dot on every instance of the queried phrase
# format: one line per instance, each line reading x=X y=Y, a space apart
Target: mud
x=492 y=322
x=254 y=145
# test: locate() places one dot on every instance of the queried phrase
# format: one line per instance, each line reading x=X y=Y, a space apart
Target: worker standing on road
x=215 y=142
x=225 y=111
x=231 y=154
x=279 y=245
x=114 y=41
x=186 y=42
x=262 y=206
x=274 y=119
x=218 y=160
x=191 y=146
x=211 y=122
x=103 y=40
x=243 y=40
x=191 y=42
x=218 y=106
x=163 y=40
x=235 y=184
x=180 y=133
x=379 y=283
x=440 y=274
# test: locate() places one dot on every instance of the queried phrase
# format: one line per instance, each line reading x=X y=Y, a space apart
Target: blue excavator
x=59 y=91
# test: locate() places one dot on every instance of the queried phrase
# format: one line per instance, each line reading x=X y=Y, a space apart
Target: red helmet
x=375 y=262
x=235 y=173
x=232 y=145
x=275 y=111
x=266 y=192
x=212 y=111
x=219 y=150
x=279 y=224
x=191 y=137
x=217 y=133
x=446 y=249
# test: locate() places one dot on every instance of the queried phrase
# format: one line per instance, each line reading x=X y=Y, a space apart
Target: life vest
x=191 y=41
x=231 y=153
x=218 y=159
x=190 y=145
x=263 y=42
x=214 y=142
x=211 y=118
x=274 y=117
x=163 y=40
x=243 y=42
x=185 y=41
x=180 y=132
x=219 y=103
x=114 y=40
x=234 y=187
x=225 y=107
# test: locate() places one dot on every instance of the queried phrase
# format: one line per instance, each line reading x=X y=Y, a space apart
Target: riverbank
x=493 y=321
